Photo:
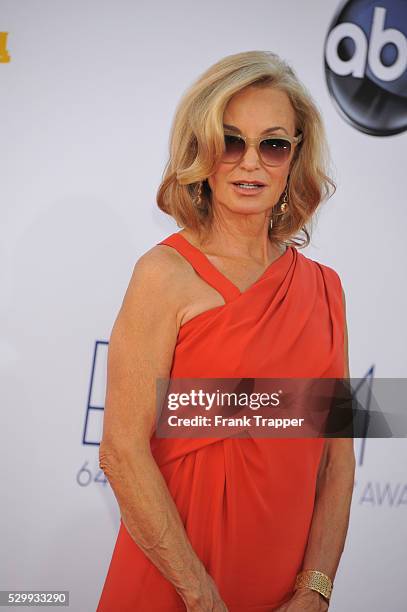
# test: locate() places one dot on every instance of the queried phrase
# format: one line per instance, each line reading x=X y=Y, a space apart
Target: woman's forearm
x=152 y=519
x=330 y=519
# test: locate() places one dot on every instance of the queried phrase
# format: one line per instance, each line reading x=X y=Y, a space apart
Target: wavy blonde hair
x=197 y=143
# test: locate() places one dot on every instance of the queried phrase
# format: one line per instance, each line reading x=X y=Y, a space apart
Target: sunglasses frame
x=293 y=140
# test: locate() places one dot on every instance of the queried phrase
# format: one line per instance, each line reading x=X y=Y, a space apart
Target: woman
x=229 y=523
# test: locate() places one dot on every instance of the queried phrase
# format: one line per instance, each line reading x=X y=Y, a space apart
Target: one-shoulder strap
x=202 y=266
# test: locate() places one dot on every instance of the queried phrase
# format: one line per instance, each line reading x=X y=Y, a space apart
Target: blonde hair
x=197 y=142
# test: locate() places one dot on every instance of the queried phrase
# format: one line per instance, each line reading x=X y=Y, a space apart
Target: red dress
x=246 y=503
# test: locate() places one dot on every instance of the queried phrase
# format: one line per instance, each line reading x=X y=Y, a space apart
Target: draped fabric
x=246 y=503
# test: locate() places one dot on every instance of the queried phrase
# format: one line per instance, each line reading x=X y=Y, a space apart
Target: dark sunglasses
x=272 y=150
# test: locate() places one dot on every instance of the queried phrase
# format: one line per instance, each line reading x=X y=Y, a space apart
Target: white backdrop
x=87 y=100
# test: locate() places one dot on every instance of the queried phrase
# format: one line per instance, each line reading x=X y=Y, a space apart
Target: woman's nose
x=250 y=158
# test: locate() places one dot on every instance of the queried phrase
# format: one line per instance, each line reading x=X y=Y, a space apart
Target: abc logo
x=366 y=65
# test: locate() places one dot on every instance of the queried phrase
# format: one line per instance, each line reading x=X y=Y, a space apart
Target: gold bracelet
x=315 y=580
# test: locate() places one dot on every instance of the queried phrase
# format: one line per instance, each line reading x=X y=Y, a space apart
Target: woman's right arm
x=141 y=349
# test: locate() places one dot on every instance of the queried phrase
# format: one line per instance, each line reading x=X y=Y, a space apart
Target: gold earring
x=197 y=200
x=284 y=204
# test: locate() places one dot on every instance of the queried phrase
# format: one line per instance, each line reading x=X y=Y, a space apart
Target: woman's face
x=254 y=111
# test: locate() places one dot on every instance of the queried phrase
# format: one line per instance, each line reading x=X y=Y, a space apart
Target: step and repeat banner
x=88 y=92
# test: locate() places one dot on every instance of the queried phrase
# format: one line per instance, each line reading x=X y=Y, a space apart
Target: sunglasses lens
x=234 y=148
x=275 y=151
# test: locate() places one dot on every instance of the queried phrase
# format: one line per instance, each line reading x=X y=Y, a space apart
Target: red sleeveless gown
x=246 y=503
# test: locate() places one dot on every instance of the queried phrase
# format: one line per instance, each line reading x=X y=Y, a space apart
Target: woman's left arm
x=330 y=519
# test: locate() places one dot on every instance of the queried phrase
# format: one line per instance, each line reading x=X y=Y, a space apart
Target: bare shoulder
x=157 y=286
x=158 y=267
x=344 y=298
x=141 y=350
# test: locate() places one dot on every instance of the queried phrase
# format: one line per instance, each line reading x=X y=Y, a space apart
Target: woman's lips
x=249 y=191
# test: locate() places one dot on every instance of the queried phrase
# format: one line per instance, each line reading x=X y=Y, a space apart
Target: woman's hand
x=304 y=600
x=209 y=600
